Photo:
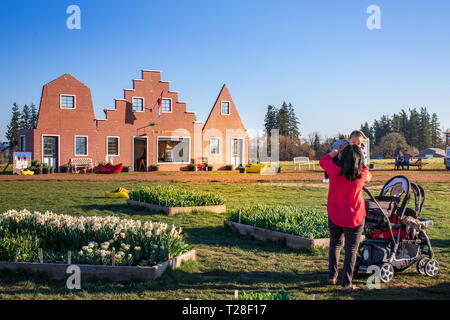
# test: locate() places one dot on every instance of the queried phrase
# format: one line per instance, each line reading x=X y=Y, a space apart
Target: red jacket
x=346 y=206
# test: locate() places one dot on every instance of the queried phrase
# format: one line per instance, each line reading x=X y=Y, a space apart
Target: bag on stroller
x=395 y=235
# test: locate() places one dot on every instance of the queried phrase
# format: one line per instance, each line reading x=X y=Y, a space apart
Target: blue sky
x=318 y=55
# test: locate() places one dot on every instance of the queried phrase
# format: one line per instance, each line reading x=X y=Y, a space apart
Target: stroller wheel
x=386 y=272
x=421 y=265
x=431 y=268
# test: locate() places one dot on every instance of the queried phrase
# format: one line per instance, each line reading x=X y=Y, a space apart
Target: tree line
x=411 y=132
x=419 y=129
x=20 y=119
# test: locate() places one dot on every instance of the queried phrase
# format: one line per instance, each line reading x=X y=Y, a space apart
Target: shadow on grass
x=222 y=236
x=121 y=208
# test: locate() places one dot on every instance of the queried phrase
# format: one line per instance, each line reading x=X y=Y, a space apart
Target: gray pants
x=352 y=238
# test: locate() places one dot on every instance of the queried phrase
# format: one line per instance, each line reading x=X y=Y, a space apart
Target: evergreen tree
x=34 y=116
x=413 y=134
x=283 y=120
x=13 y=128
x=25 y=121
x=436 y=140
x=293 y=123
x=270 y=121
x=424 y=129
x=381 y=128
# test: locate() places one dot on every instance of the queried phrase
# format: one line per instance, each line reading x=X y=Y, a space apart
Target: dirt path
x=234 y=177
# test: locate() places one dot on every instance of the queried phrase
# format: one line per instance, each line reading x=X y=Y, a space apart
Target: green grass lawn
x=379 y=164
x=226 y=261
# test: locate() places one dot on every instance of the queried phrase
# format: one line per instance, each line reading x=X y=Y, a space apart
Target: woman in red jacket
x=346 y=209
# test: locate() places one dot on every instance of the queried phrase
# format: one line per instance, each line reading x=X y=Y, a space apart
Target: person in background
x=399 y=160
x=346 y=209
x=406 y=158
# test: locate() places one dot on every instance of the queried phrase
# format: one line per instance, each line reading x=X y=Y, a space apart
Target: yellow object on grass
x=119 y=193
x=257 y=168
x=27 y=173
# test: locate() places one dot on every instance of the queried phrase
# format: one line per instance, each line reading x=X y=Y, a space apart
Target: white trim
x=74 y=101
x=59 y=148
x=23 y=148
x=146 y=148
x=243 y=149
x=171 y=105
x=151 y=70
x=229 y=108
x=220 y=147
x=118 y=147
x=143 y=104
x=175 y=137
x=128 y=89
x=75 y=146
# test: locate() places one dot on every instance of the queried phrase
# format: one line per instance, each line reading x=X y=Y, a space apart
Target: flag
x=160 y=104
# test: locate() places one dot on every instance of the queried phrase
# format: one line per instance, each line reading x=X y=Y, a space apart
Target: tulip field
x=57 y=215
x=93 y=240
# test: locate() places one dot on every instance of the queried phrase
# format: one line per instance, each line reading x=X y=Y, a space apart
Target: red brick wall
x=124 y=123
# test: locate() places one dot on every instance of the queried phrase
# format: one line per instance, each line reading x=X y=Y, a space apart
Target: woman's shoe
x=332 y=282
x=350 y=288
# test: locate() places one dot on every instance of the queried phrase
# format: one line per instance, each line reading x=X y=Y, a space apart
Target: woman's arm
x=327 y=163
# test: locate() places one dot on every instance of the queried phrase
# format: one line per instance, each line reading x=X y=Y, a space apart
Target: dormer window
x=138 y=104
x=67 y=101
x=225 y=107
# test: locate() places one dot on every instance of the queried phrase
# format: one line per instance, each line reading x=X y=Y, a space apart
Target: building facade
x=138 y=132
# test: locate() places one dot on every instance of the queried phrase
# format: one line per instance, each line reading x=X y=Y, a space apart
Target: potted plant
x=192 y=167
x=242 y=169
x=34 y=163
x=51 y=169
x=44 y=168
x=229 y=167
x=38 y=169
x=126 y=169
x=65 y=168
x=209 y=167
x=101 y=164
x=279 y=169
x=154 y=167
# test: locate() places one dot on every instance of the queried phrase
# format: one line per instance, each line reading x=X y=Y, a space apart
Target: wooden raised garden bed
x=57 y=271
x=292 y=241
x=176 y=210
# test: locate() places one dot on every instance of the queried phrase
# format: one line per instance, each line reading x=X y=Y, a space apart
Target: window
x=81 y=148
x=113 y=146
x=173 y=150
x=166 y=105
x=214 y=146
x=225 y=107
x=67 y=102
x=22 y=147
x=138 y=104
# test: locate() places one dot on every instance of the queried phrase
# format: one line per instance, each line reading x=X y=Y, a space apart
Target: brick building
x=132 y=133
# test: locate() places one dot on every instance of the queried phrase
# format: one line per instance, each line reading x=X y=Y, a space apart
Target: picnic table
x=418 y=163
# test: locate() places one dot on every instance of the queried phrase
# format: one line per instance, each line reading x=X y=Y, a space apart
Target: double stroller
x=395 y=235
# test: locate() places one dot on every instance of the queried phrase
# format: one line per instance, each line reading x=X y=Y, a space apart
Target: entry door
x=236 y=151
x=50 y=151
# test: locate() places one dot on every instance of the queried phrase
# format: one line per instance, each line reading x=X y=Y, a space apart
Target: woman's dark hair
x=351 y=162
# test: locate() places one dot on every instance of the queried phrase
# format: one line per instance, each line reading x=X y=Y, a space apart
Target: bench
x=303 y=160
x=417 y=164
x=81 y=163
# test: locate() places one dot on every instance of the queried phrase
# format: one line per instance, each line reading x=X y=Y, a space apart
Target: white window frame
x=118 y=146
x=171 y=105
x=59 y=147
x=75 y=146
x=143 y=104
x=229 y=108
x=219 y=145
x=74 y=101
x=172 y=137
x=22 y=147
x=243 y=148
